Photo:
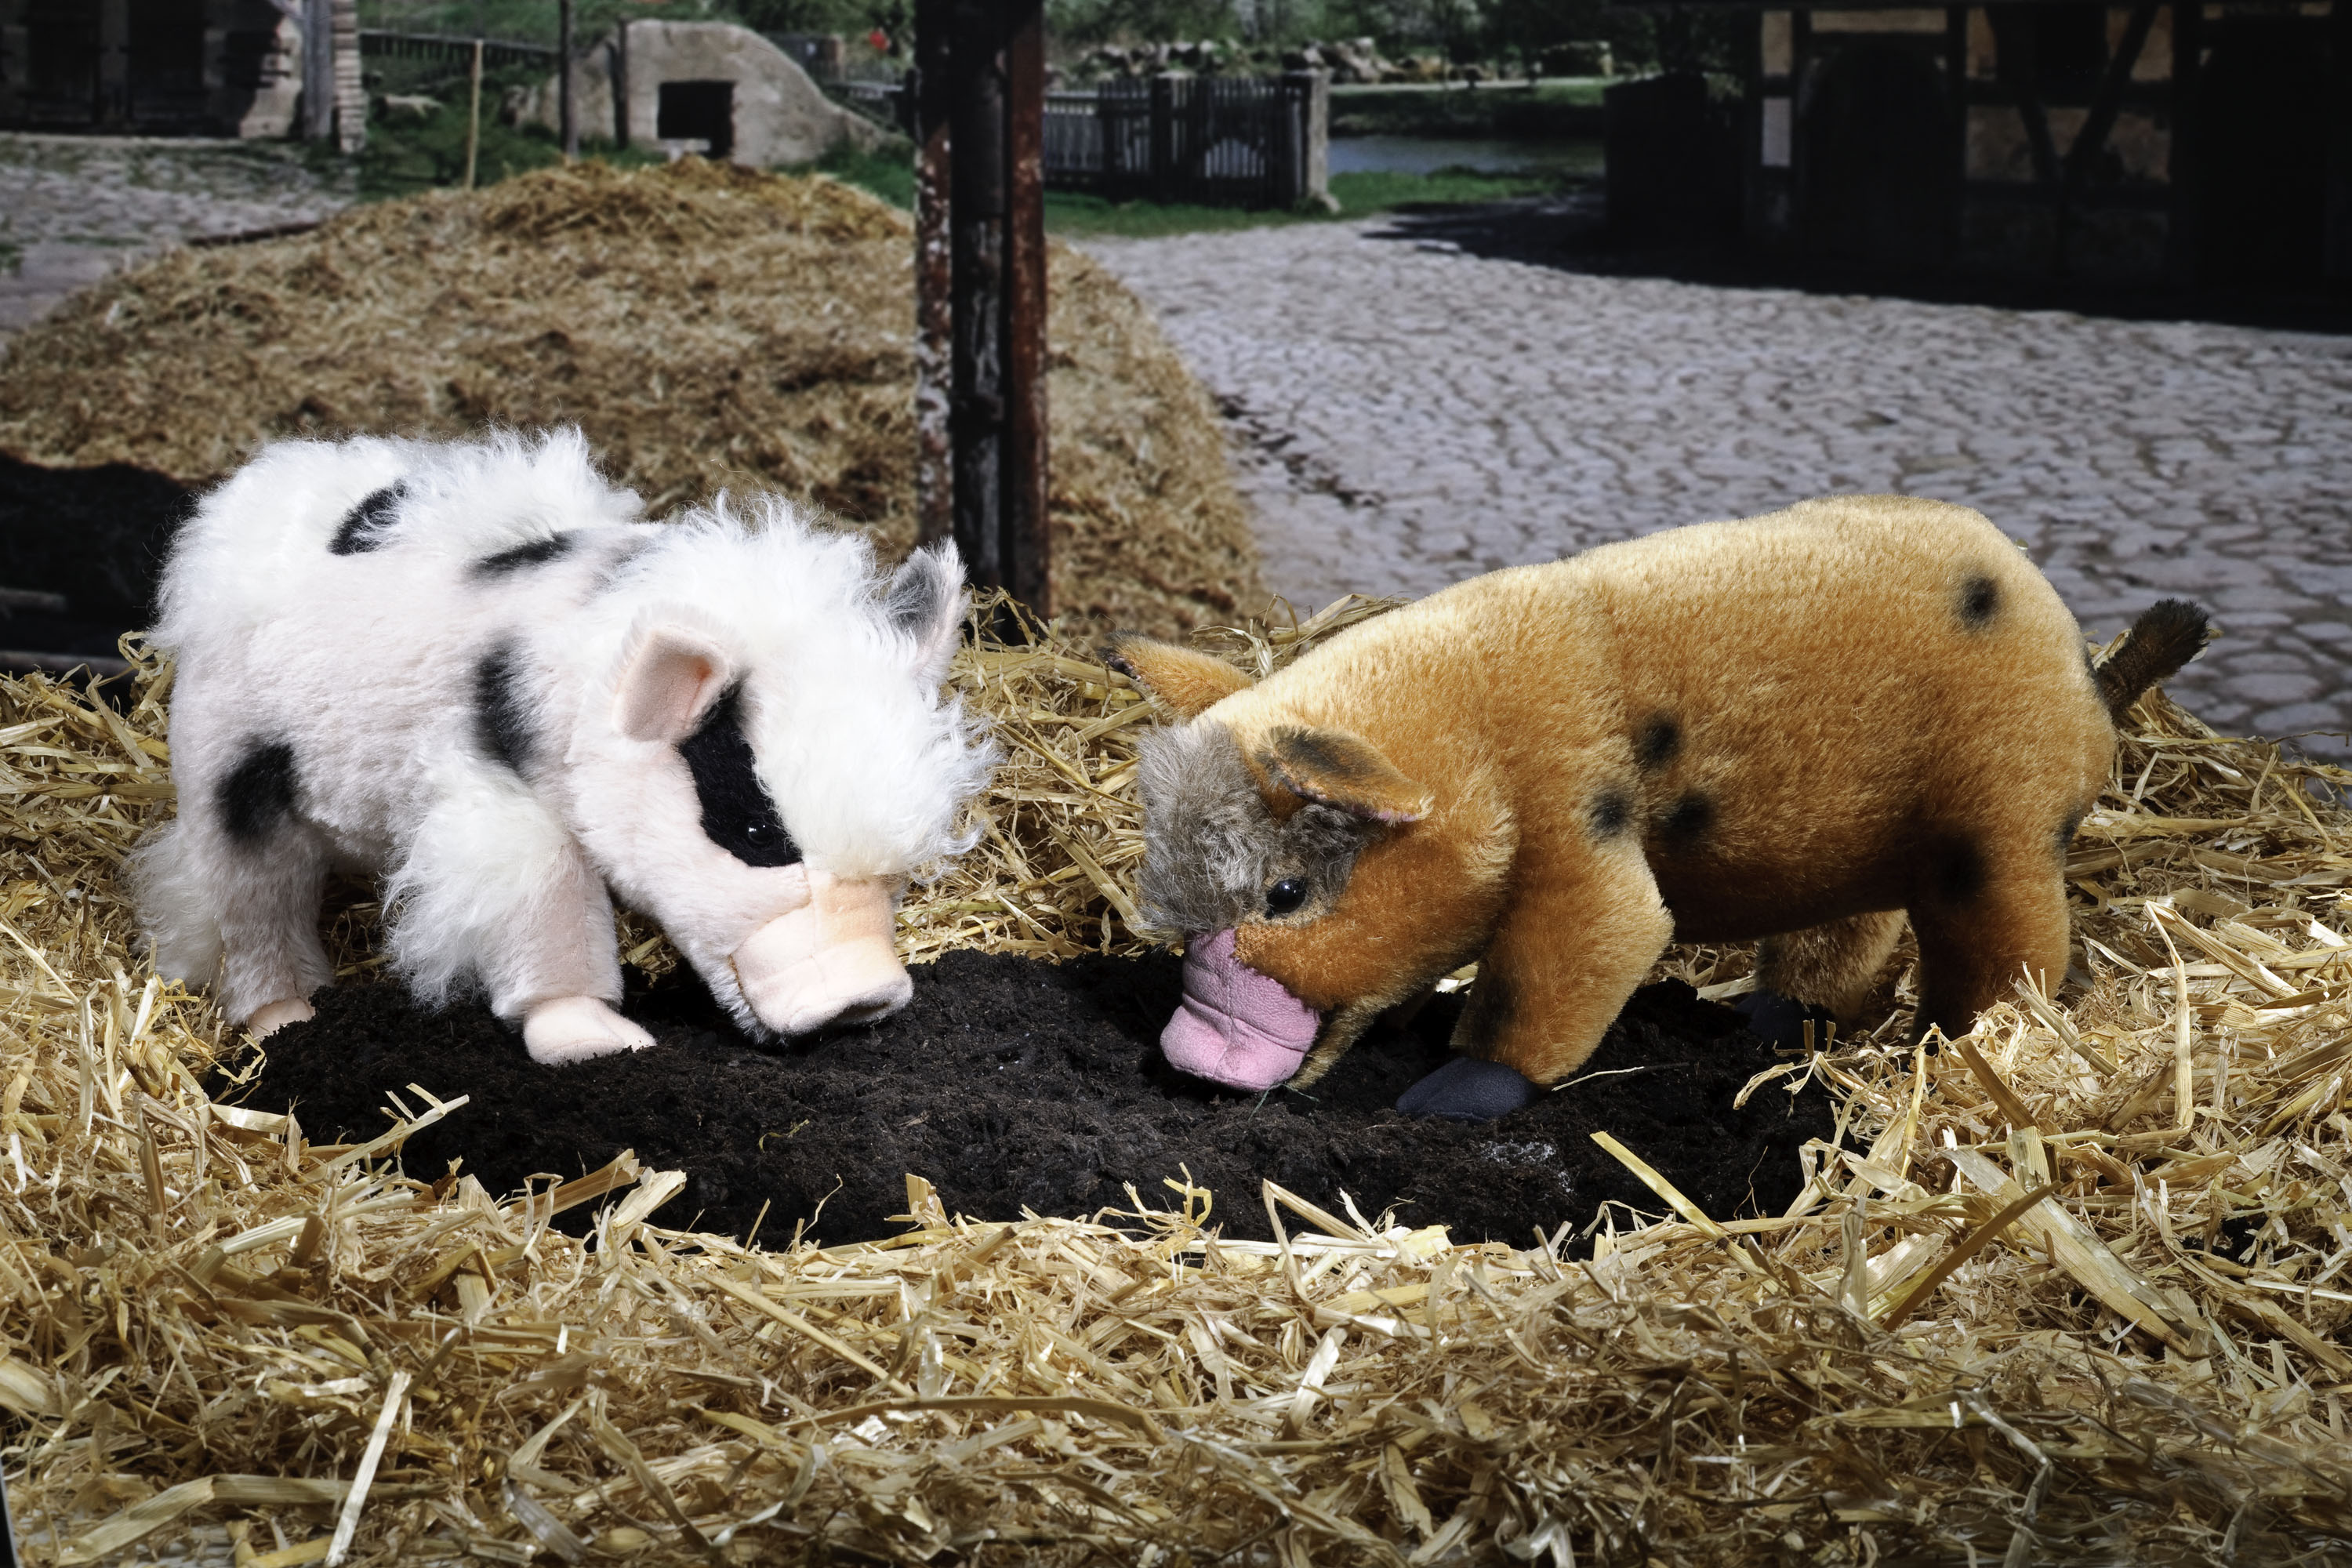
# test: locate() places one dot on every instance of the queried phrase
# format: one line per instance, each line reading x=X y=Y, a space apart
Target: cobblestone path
x=1408 y=414
x=74 y=208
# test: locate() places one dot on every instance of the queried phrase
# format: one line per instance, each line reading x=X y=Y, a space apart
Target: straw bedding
x=710 y=328
x=2068 y=1290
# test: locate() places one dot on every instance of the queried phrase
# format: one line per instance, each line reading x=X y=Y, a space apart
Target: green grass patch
x=1359 y=196
x=888 y=172
x=408 y=155
x=891 y=174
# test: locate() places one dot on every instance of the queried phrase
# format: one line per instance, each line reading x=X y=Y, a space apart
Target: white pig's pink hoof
x=578 y=1029
x=272 y=1016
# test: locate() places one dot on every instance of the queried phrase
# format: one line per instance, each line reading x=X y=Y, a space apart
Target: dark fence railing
x=1219 y=140
x=452 y=50
x=1249 y=141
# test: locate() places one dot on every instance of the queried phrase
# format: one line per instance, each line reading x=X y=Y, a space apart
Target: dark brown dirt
x=81 y=549
x=1012 y=1084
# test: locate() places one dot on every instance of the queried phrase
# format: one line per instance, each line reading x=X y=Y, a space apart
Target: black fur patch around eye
x=1960 y=872
x=1689 y=820
x=363 y=528
x=532 y=552
x=501 y=718
x=1611 y=812
x=1659 y=739
x=737 y=814
x=258 y=793
x=1980 y=602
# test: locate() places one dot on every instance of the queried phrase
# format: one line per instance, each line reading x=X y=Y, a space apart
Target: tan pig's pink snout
x=829 y=960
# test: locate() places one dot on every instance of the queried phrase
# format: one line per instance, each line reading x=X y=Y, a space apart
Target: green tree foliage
x=1086 y=22
x=850 y=18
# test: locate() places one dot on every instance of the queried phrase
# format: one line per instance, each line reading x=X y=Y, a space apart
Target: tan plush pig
x=1801 y=727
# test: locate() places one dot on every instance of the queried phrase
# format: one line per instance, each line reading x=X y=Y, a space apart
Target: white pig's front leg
x=564 y=976
x=494 y=888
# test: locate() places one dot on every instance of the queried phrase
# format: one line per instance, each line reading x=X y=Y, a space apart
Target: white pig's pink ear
x=669 y=683
x=926 y=602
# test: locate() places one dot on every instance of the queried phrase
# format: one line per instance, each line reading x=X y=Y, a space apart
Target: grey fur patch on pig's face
x=1213 y=849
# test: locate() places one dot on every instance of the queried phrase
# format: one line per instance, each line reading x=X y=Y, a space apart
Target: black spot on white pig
x=472 y=667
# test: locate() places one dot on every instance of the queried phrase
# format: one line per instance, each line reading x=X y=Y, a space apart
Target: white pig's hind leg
x=240 y=915
x=271 y=957
x=494 y=890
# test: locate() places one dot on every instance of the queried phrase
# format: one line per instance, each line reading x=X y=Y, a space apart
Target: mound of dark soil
x=1011 y=1083
x=79 y=553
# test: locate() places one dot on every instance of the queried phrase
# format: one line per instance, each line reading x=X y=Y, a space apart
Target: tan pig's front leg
x=1580 y=933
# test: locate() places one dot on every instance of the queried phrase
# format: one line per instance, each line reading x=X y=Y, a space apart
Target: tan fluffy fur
x=1787 y=727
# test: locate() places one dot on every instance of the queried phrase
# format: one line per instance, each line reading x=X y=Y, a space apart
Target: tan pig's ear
x=1186 y=683
x=1344 y=771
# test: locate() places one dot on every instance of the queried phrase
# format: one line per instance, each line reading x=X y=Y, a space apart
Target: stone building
x=703 y=86
x=2184 y=144
x=220 y=68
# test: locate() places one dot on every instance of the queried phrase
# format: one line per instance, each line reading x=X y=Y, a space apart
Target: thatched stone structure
x=709 y=88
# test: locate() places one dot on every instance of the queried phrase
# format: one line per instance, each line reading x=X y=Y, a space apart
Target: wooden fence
x=1237 y=140
x=1222 y=141
x=454 y=54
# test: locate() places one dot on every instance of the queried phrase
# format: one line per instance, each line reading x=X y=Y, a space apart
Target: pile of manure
x=2071 y=1288
x=710 y=328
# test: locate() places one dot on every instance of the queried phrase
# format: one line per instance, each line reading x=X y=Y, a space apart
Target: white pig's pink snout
x=829 y=960
x=1236 y=1027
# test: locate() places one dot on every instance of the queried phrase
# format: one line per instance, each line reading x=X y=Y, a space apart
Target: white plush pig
x=472 y=667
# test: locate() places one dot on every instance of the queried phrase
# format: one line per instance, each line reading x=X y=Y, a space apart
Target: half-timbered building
x=2182 y=144
x=225 y=67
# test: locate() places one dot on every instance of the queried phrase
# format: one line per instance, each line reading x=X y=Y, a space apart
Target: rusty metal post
x=997 y=260
x=1027 y=534
x=928 y=95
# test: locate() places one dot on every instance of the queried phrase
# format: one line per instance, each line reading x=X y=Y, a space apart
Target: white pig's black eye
x=760 y=833
x=1286 y=896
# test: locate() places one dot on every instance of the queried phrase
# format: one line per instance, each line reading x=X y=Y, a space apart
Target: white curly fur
x=368 y=666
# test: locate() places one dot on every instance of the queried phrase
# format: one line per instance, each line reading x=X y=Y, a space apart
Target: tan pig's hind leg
x=1981 y=929
x=1834 y=966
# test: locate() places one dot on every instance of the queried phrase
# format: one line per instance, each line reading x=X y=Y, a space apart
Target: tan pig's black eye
x=1286 y=896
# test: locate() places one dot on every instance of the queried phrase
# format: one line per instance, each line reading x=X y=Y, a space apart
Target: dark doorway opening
x=1877 y=164
x=61 y=62
x=2262 y=108
x=166 y=62
x=698 y=112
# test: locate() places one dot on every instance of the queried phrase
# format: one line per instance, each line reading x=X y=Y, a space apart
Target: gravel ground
x=1407 y=414
x=75 y=208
